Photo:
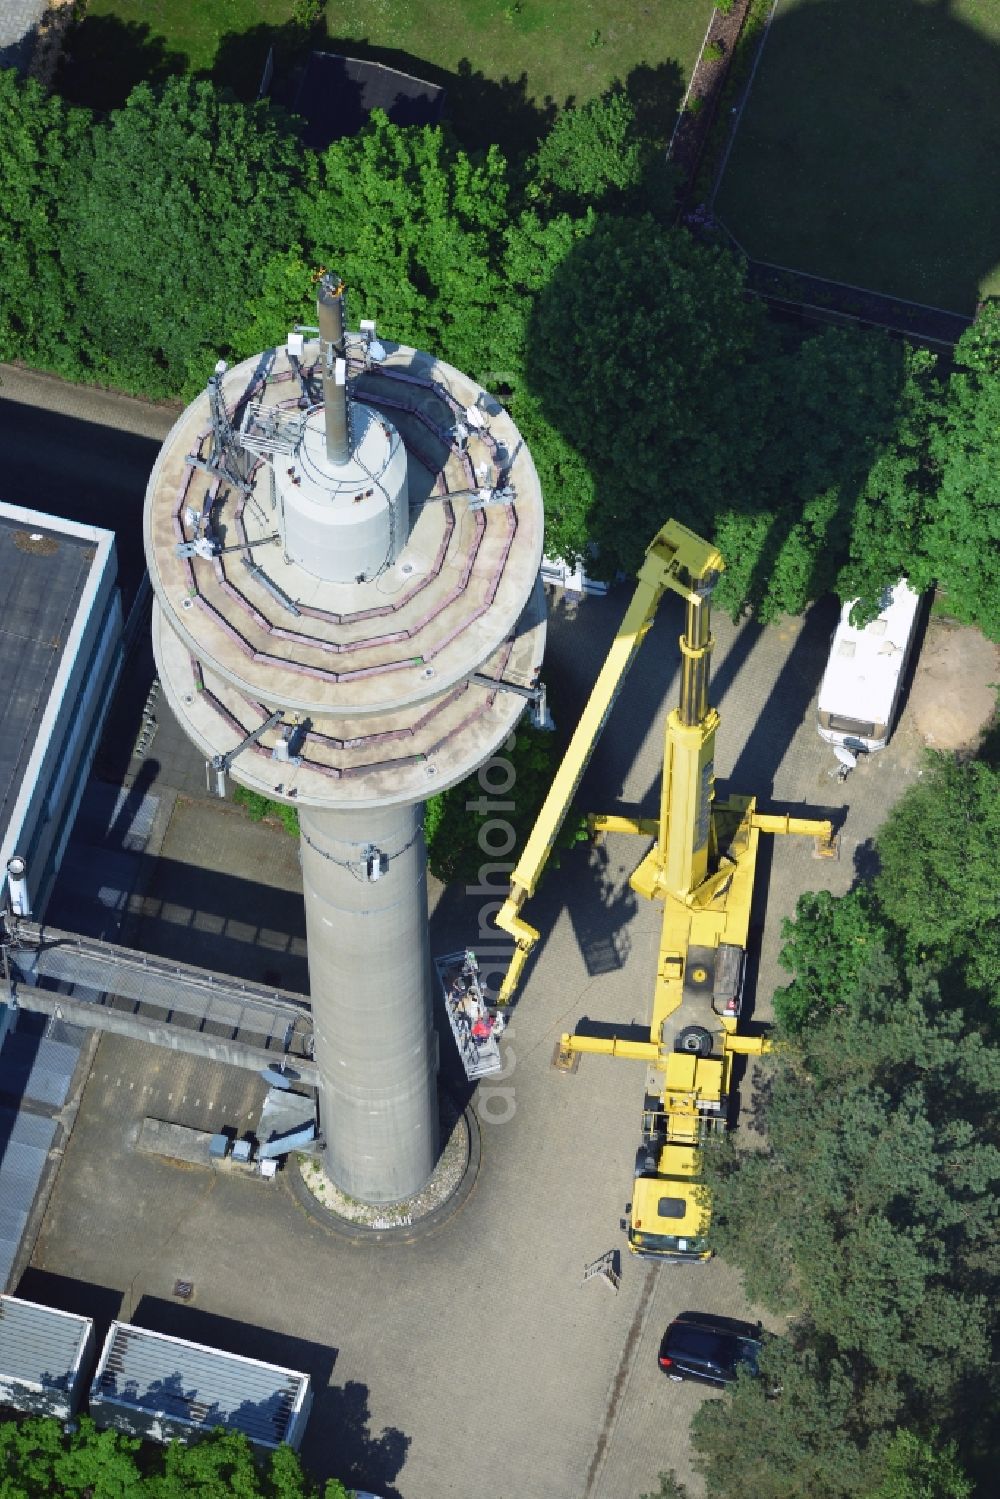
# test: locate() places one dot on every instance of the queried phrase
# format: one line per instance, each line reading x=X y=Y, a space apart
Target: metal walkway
x=154 y=999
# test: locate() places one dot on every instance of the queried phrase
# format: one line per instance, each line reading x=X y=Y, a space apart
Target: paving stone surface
x=472 y=1364
x=225 y=893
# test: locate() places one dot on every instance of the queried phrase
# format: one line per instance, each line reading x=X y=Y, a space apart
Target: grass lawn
x=868 y=149
x=501 y=60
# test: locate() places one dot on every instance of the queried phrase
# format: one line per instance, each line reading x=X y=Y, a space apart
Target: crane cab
x=668 y=1218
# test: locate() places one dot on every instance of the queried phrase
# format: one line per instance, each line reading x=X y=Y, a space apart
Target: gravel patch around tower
x=450 y=1183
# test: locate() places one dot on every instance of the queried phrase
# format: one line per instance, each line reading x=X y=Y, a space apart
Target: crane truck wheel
x=695 y=1040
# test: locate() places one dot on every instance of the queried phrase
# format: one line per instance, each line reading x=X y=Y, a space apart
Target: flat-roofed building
x=44 y=1358
x=60 y=654
x=166 y=1389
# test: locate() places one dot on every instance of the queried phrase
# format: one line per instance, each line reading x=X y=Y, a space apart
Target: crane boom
x=676 y=559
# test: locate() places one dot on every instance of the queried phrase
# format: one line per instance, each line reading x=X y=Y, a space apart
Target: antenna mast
x=330 y=316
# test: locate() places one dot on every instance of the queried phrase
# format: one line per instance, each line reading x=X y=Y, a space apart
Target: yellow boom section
x=676 y=559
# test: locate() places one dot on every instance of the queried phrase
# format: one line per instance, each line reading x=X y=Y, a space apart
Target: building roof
x=863 y=671
x=40 y=1346
x=46 y=566
x=26 y=1139
x=337 y=94
x=203 y=1387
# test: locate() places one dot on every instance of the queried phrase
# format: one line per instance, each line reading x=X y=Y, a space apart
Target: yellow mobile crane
x=701 y=866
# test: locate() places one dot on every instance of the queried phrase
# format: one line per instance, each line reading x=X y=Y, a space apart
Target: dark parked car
x=709 y=1349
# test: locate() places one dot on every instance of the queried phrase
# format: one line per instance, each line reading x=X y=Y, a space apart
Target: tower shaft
x=370 y=978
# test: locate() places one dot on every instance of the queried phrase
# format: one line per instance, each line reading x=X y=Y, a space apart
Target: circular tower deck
x=347 y=593
x=399 y=680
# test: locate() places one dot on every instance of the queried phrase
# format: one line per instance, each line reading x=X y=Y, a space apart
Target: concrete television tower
x=344 y=540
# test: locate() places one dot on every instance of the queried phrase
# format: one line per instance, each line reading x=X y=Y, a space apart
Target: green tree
x=187 y=197
x=43 y=146
x=453 y=820
x=258 y=807
x=832 y=948
x=938 y=883
x=920 y=1468
x=806 y=1444
x=669 y=1488
x=936 y=900
x=99 y=1465
x=591 y=151
x=825 y=475
x=978 y=349
x=633 y=354
x=872 y=1208
x=415 y=226
x=29 y=1451
x=220 y=1465
x=960 y=544
x=39 y=1460
x=567 y=481
x=897 y=499
x=282 y=297
x=535 y=249
x=800 y=457
x=808 y=1441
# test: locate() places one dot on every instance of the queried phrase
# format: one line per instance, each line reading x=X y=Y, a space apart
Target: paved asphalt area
x=81 y=453
x=472 y=1363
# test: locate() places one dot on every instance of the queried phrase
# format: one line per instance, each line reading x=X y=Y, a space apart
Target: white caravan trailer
x=859 y=694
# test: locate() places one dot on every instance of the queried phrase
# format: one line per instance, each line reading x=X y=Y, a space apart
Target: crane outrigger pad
x=564 y=1060
x=473 y=1024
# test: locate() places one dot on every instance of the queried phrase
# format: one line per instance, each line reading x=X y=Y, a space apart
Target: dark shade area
x=188 y=913
x=81 y=1297
x=337 y=94
x=483 y=111
x=80 y=471
x=865 y=150
x=105 y=58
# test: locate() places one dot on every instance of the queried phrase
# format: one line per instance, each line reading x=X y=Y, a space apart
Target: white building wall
x=38 y=1346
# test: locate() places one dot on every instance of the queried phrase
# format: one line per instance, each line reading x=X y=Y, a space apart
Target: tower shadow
x=819 y=180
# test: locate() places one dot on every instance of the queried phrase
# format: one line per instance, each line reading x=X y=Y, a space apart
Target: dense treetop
x=42 y=1459
x=869 y=1212
x=138 y=247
